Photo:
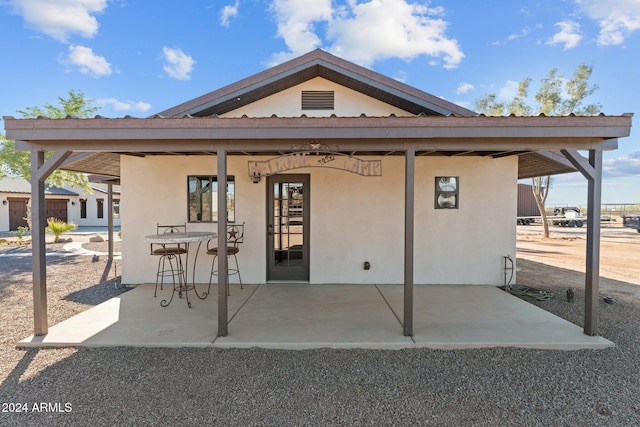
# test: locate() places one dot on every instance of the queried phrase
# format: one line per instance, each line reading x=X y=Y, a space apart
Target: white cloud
x=625 y=165
x=366 y=31
x=229 y=12
x=297 y=25
x=525 y=31
x=617 y=18
x=124 y=105
x=60 y=18
x=88 y=62
x=177 y=63
x=508 y=91
x=464 y=88
x=569 y=35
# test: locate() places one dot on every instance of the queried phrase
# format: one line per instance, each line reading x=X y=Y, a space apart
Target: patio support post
x=410 y=158
x=40 y=170
x=592 y=170
x=38 y=256
x=110 y=219
x=222 y=243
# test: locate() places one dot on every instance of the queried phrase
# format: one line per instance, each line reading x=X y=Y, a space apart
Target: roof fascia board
x=262 y=145
x=320 y=132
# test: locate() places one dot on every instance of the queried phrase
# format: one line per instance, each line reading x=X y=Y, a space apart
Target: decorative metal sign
x=314 y=155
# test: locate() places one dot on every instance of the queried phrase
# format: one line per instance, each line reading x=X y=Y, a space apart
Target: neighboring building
x=69 y=204
x=331 y=166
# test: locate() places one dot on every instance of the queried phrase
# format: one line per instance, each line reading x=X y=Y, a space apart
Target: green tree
x=18 y=163
x=557 y=96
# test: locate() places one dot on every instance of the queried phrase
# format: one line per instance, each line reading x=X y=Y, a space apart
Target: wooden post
x=222 y=244
x=592 y=170
x=38 y=254
x=410 y=158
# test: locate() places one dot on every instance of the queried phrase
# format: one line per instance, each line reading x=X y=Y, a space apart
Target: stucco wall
x=73 y=209
x=348 y=103
x=92 y=219
x=4 y=211
x=353 y=219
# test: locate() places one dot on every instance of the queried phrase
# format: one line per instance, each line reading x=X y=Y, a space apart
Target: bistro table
x=184 y=239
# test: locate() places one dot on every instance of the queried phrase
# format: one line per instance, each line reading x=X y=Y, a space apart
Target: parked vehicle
x=631 y=221
x=568 y=217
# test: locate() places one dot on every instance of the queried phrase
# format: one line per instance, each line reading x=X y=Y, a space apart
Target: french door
x=288 y=227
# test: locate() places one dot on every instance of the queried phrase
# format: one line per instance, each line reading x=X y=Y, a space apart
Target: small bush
x=58 y=227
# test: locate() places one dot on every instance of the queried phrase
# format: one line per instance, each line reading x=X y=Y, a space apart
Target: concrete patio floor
x=300 y=316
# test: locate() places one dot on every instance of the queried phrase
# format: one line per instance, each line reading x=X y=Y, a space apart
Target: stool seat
x=169 y=251
x=231 y=250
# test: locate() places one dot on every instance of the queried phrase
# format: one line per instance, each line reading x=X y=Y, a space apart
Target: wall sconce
x=4 y=202
x=73 y=203
x=447 y=192
x=255 y=175
x=254 y=172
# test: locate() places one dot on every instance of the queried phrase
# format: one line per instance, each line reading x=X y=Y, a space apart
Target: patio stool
x=235 y=236
x=170 y=261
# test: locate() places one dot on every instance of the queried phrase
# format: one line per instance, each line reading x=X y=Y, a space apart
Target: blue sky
x=135 y=57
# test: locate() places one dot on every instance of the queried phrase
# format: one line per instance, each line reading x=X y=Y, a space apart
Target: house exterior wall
x=73 y=208
x=91 y=219
x=348 y=103
x=4 y=209
x=353 y=219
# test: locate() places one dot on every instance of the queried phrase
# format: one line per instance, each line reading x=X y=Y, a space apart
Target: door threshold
x=287 y=282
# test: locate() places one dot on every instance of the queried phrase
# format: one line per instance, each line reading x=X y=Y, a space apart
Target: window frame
x=439 y=191
x=212 y=214
x=83 y=208
x=100 y=208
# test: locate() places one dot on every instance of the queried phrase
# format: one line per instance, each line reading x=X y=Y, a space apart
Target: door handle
x=270 y=230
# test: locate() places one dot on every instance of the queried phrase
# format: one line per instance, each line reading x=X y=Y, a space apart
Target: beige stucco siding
x=348 y=103
x=353 y=219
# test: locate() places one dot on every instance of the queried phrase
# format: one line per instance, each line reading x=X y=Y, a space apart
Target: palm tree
x=58 y=227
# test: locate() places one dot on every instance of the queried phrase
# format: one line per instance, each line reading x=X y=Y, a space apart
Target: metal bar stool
x=170 y=261
x=235 y=236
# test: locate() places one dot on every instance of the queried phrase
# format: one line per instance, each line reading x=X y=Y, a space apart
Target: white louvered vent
x=317 y=100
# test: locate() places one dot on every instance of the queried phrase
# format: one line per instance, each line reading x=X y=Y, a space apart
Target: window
x=317 y=100
x=116 y=209
x=203 y=198
x=100 y=208
x=446 y=194
x=83 y=208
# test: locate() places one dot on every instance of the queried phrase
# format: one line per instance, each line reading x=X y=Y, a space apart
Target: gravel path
x=141 y=386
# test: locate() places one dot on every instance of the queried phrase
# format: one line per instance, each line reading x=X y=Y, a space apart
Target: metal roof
x=22 y=186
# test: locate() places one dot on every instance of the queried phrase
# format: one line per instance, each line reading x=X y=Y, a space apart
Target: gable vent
x=317 y=100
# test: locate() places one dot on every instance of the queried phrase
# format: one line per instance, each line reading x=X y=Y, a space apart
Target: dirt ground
x=566 y=251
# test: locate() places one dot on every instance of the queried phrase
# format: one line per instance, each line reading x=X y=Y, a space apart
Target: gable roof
x=317 y=63
x=437 y=128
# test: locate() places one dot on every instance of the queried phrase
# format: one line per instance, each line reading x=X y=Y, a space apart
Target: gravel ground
x=240 y=387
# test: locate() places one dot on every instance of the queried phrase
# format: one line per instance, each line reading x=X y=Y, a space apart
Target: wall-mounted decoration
x=447 y=192
x=311 y=155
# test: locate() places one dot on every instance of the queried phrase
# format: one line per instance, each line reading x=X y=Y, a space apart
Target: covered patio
x=385 y=121
x=286 y=316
